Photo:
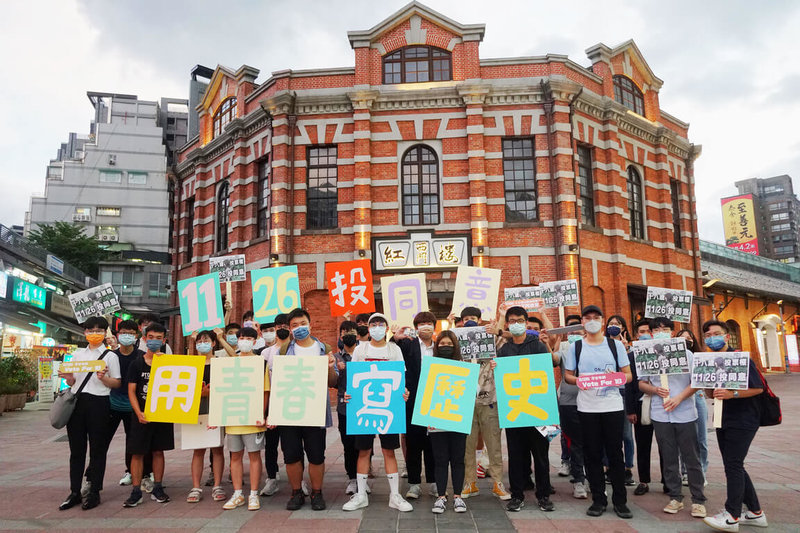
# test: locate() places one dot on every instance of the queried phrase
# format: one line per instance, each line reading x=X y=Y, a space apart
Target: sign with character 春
x=446 y=395
x=173 y=391
x=350 y=287
x=376 y=404
x=275 y=290
x=237 y=391
x=201 y=303
x=477 y=287
x=299 y=391
x=404 y=297
x=660 y=356
x=673 y=304
x=526 y=391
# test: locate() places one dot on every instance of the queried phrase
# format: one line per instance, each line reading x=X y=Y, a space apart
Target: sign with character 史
x=526 y=391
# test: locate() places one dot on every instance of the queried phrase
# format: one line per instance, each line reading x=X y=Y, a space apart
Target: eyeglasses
x=517 y=321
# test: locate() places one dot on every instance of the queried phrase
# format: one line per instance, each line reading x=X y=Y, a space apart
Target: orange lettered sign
x=350 y=287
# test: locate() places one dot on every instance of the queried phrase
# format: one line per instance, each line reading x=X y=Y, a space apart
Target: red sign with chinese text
x=350 y=287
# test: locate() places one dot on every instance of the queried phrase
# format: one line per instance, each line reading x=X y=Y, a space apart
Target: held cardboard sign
x=200 y=301
x=74 y=367
x=299 y=394
x=376 y=405
x=526 y=391
x=350 y=287
x=600 y=381
x=403 y=297
x=173 y=391
x=477 y=287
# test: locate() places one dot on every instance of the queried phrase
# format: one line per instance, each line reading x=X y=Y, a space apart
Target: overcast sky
x=730 y=68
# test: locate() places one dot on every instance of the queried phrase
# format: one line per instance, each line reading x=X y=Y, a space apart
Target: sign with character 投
x=173 y=391
x=350 y=287
x=376 y=404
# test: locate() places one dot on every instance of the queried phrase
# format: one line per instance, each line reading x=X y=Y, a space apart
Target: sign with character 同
x=350 y=287
x=477 y=287
x=299 y=391
x=526 y=391
x=173 y=391
x=673 y=304
x=475 y=343
x=660 y=356
x=237 y=391
x=229 y=267
x=376 y=404
x=403 y=297
x=721 y=370
x=446 y=395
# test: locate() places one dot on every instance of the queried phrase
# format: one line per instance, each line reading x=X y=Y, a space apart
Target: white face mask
x=268 y=336
x=245 y=345
x=593 y=326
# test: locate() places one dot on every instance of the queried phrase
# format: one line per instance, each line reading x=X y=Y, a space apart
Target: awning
x=746 y=281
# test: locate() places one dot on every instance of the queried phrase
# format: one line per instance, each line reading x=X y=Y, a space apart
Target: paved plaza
x=34 y=480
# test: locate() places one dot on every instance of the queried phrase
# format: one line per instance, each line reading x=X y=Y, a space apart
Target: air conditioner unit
x=81 y=217
x=80 y=155
x=112 y=159
x=108 y=238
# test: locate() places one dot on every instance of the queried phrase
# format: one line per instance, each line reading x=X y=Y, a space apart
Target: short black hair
x=155 y=327
x=232 y=325
x=516 y=311
x=282 y=320
x=571 y=318
x=127 y=324
x=248 y=332
x=707 y=325
x=96 y=322
x=470 y=311
x=147 y=317
x=640 y=323
x=347 y=325
x=424 y=316
x=362 y=317
x=662 y=322
x=297 y=313
x=267 y=325
x=210 y=334
x=537 y=320
x=247 y=315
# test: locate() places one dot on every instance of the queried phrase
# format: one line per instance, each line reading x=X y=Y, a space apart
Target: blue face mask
x=203 y=347
x=517 y=329
x=534 y=332
x=645 y=337
x=470 y=324
x=572 y=339
x=613 y=331
x=232 y=339
x=126 y=339
x=301 y=332
x=662 y=335
x=716 y=343
x=154 y=345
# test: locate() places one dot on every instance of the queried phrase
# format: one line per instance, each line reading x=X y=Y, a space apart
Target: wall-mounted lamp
x=273 y=258
x=362 y=253
x=573 y=247
x=480 y=250
x=709 y=283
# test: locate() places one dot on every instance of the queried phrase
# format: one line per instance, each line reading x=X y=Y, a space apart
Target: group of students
x=597 y=424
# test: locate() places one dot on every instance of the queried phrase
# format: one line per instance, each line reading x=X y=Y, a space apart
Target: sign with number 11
x=201 y=303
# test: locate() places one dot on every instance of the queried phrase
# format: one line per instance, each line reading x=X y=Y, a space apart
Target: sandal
x=195 y=495
x=218 y=494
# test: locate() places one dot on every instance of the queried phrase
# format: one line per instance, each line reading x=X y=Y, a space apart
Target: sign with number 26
x=201 y=303
x=275 y=290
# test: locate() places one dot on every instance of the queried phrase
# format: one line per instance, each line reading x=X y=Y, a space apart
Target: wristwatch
x=736 y=394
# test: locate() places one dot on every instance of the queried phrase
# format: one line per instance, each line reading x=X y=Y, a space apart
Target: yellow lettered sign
x=173 y=391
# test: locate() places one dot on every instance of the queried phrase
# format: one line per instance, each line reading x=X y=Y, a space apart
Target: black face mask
x=349 y=340
x=446 y=351
x=362 y=331
x=282 y=334
x=689 y=344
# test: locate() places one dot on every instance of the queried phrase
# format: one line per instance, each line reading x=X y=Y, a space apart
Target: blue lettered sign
x=526 y=391
x=275 y=290
x=446 y=394
x=201 y=303
x=376 y=403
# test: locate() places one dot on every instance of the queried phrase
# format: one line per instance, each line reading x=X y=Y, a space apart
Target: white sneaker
x=148 y=483
x=352 y=487
x=564 y=470
x=253 y=503
x=434 y=490
x=579 y=491
x=459 y=506
x=439 y=505
x=357 y=501
x=752 y=519
x=397 y=502
x=86 y=487
x=685 y=480
x=237 y=500
x=413 y=492
x=722 y=522
x=404 y=473
x=126 y=479
x=306 y=489
x=270 y=487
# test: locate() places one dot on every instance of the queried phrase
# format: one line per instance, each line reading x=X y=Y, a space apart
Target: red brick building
x=537 y=165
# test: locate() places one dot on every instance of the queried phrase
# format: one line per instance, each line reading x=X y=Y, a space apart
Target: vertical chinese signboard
x=739 y=220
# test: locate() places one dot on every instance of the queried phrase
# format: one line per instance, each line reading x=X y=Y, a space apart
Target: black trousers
x=88 y=423
x=349 y=445
x=272 y=437
x=417 y=442
x=571 y=428
x=449 y=450
x=604 y=436
x=522 y=444
x=733 y=446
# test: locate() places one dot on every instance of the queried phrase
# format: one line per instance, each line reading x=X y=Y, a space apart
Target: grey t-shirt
x=567 y=394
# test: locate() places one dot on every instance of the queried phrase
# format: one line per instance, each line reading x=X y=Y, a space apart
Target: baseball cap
x=591 y=309
x=378 y=316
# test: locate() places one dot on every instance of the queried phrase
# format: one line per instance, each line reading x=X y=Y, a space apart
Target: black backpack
x=612 y=345
x=769 y=404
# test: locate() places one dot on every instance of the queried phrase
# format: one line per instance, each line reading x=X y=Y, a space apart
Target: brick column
x=474 y=96
x=280 y=108
x=362 y=174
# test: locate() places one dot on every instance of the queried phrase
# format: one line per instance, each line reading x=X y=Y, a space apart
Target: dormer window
x=628 y=94
x=225 y=113
x=414 y=64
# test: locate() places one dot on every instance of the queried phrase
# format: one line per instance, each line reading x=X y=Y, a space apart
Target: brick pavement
x=34 y=472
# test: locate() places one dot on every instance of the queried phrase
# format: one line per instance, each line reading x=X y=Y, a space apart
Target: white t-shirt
x=94 y=386
x=368 y=352
x=424 y=350
x=306 y=350
x=597 y=359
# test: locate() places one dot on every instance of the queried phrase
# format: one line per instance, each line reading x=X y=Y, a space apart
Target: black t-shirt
x=124 y=364
x=206 y=380
x=139 y=373
x=744 y=413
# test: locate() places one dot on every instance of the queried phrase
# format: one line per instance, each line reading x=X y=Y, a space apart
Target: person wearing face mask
x=617 y=329
x=349 y=340
x=571 y=433
x=203 y=344
x=601 y=411
x=145 y=436
x=418 y=449
x=377 y=349
x=297 y=439
x=362 y=329
x=267 y=341
x=228 y=340
x=89 y=420
x=527 y=441
x=702 y=412
x=741 y=418
x=144 y=322
x=267 y=333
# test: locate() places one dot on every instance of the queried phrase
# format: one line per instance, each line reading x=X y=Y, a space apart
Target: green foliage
x=68 y=242
x=16 y=375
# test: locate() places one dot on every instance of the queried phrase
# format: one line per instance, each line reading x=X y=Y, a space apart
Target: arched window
x=420 y=185
x=222 y=217
x=225 y=113
x=628 y=94
x=735 y=332
x=635 y=203
x=417 y=63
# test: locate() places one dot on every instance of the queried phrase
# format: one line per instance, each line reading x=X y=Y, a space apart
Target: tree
x=69 y=243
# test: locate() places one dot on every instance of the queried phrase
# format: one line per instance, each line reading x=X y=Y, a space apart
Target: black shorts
x=151 y=437
x=388 y=442
x=295 y=439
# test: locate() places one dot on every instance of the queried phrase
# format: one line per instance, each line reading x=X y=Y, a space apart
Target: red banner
x=350 y=287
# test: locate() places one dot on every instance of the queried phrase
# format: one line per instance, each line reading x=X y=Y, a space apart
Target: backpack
x=769 y=405
x=612 y=345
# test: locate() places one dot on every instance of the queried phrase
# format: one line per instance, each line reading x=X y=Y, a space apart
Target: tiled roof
x=757 y=283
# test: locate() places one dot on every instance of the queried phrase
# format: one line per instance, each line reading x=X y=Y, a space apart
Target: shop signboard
x=420 y=251
x=28 y=293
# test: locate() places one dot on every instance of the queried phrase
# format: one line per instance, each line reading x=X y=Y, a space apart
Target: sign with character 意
x=526 y=391
x=721 y=370
x=477 y=287
x=376 y=404
x=350 y=287
x=173 y=391
x=446 y=395
x=673 y=304
x=559 y=293
x=403 y=297
x=299 y=391
x=654 y=357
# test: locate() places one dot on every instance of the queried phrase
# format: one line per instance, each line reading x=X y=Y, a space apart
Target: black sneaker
x=71 y=501
x=317 y=501
x=623 y=511
x=296 y=501
x=515 y=505
x=629 y=478
x=529 y=484
x=91 y=501
x=159 y=495
x=134 y=499
x=546 y=505
x=596 y=510
x=608 y=478
x=641 y=489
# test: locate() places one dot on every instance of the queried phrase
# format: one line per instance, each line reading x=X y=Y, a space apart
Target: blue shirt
x=686 y=411
x=597 y=359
